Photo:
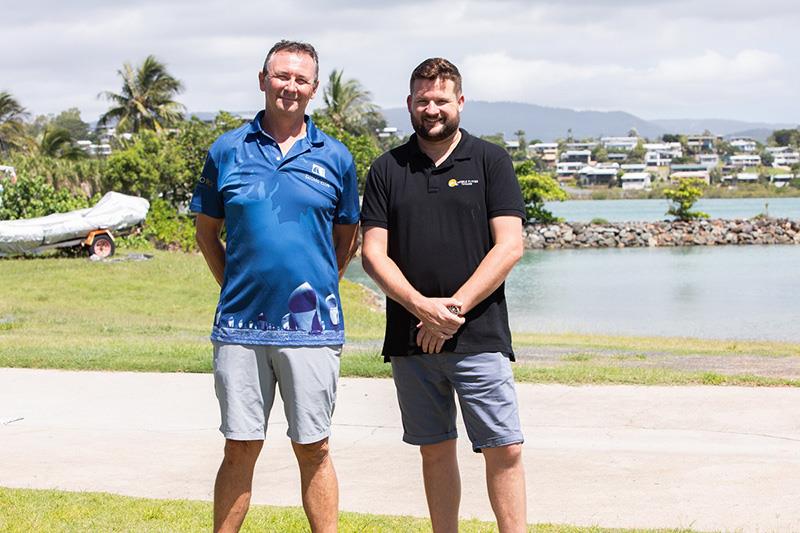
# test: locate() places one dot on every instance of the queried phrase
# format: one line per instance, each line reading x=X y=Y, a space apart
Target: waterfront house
x=633 y=167
x=780 y=180
x=661 y=154
x=596 y=176
x=590 y=145
x=547 y=152
x=675 y=177
x=636 y=181
x=701 y=142
x=708 y=160
x=577 y=156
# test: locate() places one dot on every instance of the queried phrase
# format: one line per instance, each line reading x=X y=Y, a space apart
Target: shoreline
x=704 y=232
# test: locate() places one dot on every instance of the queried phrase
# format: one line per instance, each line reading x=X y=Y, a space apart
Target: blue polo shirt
x=281 y=283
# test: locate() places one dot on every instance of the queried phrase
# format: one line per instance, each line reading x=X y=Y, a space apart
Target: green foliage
x=787 y=137
x=599 y=153
x=166 y=228
x=349 y=107
x=152 y=166
x=146 y=100
x=536 y=189
x=683 y=198
x=767 y=158
x=497 y=139
x=364 y=148
x=58 y=142
x=81 y=177
x=71 y=121
x=671 y=138
x=33 y=197
x=12 y=128
x=598 y=220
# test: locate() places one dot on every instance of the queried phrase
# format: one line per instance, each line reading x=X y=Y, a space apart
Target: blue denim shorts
x=484 y=385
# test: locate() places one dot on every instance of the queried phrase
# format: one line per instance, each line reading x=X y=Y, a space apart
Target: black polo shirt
x=438 y=229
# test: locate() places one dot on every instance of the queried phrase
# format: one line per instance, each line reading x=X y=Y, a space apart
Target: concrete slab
x=721 y=458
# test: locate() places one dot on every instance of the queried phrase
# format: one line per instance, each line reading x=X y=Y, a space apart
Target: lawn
x=155 y=315
x=23 y=510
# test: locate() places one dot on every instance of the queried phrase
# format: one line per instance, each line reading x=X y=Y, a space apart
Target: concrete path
x=708 y=458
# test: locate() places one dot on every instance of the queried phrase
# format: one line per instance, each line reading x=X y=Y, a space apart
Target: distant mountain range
x=550 y=123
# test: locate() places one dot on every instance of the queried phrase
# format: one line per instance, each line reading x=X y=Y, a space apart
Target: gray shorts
x=484 y=385
x=245 y=377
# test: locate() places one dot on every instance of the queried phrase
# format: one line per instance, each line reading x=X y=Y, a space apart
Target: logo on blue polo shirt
x=318 y=170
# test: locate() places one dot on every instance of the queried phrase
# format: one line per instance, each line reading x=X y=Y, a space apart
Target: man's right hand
x=434 y=315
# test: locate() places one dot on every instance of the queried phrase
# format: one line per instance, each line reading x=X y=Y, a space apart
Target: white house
x=745 y=160
x=661 y=154
x=633 y=167
x=708 y=160
x=743 y=144
x=780 y=180
x=580 y=145
x=577 y=156
x=597 y=176
x=547 y=152
x=786 y=159
x=619 y=143
x=569 y=168
x=675 y=177
x=636 y=181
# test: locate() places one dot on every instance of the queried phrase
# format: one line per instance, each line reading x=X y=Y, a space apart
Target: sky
x=657 y=59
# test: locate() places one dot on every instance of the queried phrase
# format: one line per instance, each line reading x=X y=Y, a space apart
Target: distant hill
x=538 y=122
x=550 y=123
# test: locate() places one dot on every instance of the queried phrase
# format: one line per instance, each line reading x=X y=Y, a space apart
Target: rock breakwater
x=715 y=232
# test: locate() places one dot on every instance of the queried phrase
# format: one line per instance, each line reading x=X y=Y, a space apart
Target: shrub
x=166 y=228
x=34 y=197
x=536 y=189
x=684 y=197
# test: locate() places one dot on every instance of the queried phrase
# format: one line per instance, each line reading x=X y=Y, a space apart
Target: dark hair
x=436 y=68
x=297 y=47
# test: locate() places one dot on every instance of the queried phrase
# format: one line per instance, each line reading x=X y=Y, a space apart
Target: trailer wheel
x=102 y=246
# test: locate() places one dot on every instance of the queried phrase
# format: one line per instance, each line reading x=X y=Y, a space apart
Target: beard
x=449 y=127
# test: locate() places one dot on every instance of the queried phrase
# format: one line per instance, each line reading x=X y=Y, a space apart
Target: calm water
x=733 y=292
x=651 y=210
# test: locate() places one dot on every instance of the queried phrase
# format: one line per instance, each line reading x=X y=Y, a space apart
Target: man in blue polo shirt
x=287 y=196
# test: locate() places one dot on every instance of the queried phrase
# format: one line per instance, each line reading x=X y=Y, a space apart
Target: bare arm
x=491 y=272
x=207 y=231
x=345 y=243
x=432 y=312
x=493 y=269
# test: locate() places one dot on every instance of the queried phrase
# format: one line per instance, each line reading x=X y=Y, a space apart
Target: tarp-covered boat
x=114 y=212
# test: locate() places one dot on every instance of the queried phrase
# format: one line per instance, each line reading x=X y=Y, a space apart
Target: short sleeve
x=376 y=200
x=347 y=208
x=207 y=198
x=504 y=197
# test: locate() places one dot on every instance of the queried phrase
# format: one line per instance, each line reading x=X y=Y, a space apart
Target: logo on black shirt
x=460 y=183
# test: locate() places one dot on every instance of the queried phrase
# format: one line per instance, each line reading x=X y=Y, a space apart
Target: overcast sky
x=657 y=59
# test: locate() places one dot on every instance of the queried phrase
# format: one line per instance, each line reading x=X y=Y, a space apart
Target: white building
x=745 y=160
x=780 y=180
x=661 y=154
x=569 y=168
x=743 y=144
x=619 y=143
x=636 y=181
x=708 y=160
x=547 y=152
x=703 y=175
x=786 y=159
x=597 y=176
x=633 y=167
x=577 y=156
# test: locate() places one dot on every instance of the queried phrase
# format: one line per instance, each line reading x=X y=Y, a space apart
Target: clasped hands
x=437 y=323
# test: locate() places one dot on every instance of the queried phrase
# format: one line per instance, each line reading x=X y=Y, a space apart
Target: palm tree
x=146 y=100
x=58 y=142
x=349 y=106
x=12 y=129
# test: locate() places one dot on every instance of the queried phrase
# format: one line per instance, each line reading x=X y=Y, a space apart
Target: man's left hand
x=430 y=341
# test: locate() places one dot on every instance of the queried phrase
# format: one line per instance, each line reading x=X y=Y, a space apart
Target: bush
x=536 y=189
x=599 y=221
x=34 y=197
x=683 y=198
x=166 y=228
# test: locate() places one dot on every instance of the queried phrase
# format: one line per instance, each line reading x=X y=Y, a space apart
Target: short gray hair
x=297 y=47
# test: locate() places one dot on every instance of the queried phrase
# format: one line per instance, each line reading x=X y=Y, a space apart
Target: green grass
x=24 y=510
x=664 y=345
x=155 y=315
x=151 y=315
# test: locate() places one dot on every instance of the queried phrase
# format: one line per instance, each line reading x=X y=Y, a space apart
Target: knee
x=434 y=453
x=504 y=456
x=242 y=451
x=313 y=454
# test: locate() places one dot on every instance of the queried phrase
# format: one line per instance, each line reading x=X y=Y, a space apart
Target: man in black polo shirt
x=442 y=219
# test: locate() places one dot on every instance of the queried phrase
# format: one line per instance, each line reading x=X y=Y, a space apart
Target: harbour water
x=652 y=210
x=723 y=292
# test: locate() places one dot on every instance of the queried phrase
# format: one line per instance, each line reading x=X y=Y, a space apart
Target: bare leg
x=319 y=485
x=442 y=484
x=505 y=479
x=234 y=484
